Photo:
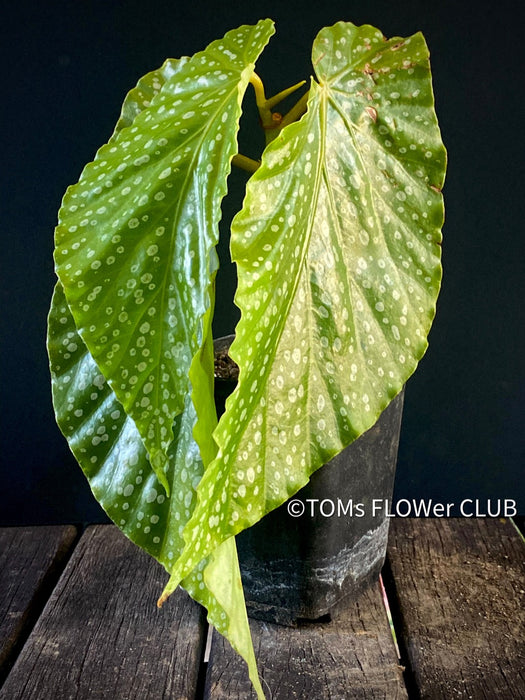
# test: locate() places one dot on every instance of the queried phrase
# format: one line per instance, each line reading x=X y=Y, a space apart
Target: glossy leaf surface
x=103 y=436
x=147 y=88
x=136 y=235
x=109 y=449
x=338 y=254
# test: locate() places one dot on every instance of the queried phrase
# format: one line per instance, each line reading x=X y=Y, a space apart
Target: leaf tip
x=168 y=590
x=163 y=598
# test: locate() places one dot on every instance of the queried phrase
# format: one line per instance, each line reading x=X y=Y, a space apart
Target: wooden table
x=78 y=620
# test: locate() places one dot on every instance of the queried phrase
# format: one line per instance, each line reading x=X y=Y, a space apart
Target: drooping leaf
x=338 y=255
x=103 y=437
x=109 y=449
x=136 y=235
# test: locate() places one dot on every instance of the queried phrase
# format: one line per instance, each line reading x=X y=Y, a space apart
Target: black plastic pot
x=301 y=565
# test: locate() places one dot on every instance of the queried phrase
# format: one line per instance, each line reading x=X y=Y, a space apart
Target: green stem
x=272 y=101
x=296 y=111
x=273 y=122
x=265 y=113
x=245 y=163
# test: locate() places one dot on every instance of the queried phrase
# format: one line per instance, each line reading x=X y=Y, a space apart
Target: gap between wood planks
x=203 y=667
x=67 y=538
x=393 y=612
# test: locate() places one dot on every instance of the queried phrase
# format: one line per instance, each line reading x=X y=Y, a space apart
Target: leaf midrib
x=301 y=264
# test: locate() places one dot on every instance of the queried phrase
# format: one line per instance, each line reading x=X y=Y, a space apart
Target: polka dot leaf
x=338 y=255
x=91 y=403
x=148 y=87
x=109 y=449
x=135 y=243
x=337 y=248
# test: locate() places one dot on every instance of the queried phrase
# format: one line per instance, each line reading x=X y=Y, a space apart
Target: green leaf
x=107 y=445
x=93 y=412
x=148 y=87
x=136 y=235
x=338 y=255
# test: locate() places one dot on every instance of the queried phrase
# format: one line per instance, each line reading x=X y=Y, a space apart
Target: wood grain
x=102 y=636
x=352 y=657
x=31 y=560
x=460 y=586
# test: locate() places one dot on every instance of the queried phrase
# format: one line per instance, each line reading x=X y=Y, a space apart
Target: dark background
x=68 y=66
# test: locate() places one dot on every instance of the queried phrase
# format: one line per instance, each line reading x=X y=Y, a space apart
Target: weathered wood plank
x=31 y=560
x=351 y=657
x=460 y=587
x=102 y=636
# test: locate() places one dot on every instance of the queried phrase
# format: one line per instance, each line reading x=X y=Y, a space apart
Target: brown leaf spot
x=372 y=113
